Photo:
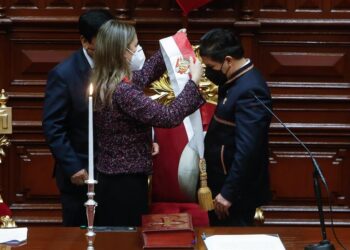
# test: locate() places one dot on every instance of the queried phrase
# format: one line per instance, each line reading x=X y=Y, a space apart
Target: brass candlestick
x=90 y=205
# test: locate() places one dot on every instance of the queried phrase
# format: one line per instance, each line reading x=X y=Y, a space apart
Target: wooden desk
x=54 y=238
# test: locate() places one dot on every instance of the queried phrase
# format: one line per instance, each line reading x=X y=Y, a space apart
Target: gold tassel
x=205 y=197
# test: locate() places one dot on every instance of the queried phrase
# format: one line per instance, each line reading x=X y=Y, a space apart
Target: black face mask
x=216 y=76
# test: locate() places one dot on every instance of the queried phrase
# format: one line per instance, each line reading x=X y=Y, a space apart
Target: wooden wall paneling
x=156 y=10
x=33 y=196
x=32 y=60
x=291 y=9
x=5 y=165
x=291 y=174
x=24 y=166
x=4 y=55
x=277 y=5
x=220 y=10
x=268 y=8
x=291 y=181
x=97 y=3
x=34 y=193
x=288 y=62
x=34 y=178
x=309 y=6
x=306 y=68
x=340 y=6
x=2 y=8
x=339 y=9
x=123 y=9
x=60 y=4
x=66 y=7
x=165 y=14
x=24 y=4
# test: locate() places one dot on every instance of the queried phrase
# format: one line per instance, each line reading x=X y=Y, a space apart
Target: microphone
x=324 y=244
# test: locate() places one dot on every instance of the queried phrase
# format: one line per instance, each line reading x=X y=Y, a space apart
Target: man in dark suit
x=65 y=119
x=236 y=143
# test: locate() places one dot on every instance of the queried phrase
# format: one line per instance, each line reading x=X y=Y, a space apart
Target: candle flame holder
x=90 y=205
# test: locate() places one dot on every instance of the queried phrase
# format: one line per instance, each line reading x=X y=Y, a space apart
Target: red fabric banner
x=188 y=5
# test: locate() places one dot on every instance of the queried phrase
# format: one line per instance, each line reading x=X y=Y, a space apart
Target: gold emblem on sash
x=162 y=91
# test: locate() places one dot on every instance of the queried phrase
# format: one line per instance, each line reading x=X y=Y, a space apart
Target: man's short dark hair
x=216 y=44
x=91 y=21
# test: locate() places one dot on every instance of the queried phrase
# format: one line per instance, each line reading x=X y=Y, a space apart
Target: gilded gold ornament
x=162 y=91
x=7 y=221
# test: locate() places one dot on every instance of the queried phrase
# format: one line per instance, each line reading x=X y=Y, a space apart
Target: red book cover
x=167 y=231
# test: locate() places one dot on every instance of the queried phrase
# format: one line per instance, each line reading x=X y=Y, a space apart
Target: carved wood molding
x=2 y=12
x=303 y=222
x=313 y=85
x=37 y=206
x=295 y=215
x=299 y=126
x=302 y=22
x=38 y=220
x=37 y=214
x=311 y=97
x=4 y=21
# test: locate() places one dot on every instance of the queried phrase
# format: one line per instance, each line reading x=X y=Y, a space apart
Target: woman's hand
x=196 y=70
x=155 y=148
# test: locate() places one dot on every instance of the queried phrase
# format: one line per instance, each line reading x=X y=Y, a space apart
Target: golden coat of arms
x=162 y=91
x=182 y=65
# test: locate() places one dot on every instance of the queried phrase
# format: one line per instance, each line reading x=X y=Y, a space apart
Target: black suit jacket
x=65 y=118
x=236 y=143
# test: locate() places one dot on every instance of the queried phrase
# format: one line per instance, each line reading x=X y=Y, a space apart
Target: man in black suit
x=236 y=143
x=65 y=119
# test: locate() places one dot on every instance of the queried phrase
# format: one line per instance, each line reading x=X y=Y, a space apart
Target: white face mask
x=138 y=59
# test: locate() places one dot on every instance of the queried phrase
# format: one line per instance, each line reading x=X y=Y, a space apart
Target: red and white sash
x=177 y=51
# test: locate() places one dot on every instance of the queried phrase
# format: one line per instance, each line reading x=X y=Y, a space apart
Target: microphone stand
x=317 y=174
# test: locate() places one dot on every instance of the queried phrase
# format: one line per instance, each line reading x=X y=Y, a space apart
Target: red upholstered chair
x=166 y=193
x=5 y=215
x=4 y=209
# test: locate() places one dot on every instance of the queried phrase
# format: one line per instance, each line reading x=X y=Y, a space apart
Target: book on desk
x=243 y=242
x=162 y=231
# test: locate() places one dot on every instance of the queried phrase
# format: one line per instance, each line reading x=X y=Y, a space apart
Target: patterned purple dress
x=124 y=131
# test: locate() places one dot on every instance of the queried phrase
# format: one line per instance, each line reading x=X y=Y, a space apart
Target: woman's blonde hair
x=110 y=64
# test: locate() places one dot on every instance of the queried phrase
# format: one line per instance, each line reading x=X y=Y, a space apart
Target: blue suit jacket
x=236 y=143
x=65 y=118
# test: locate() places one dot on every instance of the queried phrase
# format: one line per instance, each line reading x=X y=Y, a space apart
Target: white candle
x=91 y=136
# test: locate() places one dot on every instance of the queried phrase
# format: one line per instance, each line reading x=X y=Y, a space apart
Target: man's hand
x=79 y=177
x=221 y=207
x=155 y=148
